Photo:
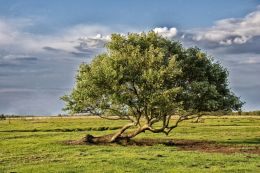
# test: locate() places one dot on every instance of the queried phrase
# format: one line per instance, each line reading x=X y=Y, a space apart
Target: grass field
x=37 y=145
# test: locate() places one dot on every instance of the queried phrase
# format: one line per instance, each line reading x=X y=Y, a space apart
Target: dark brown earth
x=188 y=145
x=211 y=146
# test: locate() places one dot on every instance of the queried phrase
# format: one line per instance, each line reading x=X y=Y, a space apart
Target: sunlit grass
x=40 y=150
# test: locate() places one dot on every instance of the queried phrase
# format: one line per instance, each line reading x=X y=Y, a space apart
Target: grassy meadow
x=37 y=145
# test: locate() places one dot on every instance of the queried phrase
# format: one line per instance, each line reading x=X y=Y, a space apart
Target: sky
x=43 y=42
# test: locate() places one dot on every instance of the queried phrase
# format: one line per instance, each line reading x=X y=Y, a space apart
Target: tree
x=147 y=79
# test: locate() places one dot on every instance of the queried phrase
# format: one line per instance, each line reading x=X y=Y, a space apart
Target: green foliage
x=149 y=76
x=205 y=83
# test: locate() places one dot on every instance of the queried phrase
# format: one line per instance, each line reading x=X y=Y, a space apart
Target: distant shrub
x=247 y=113
x=2 y=117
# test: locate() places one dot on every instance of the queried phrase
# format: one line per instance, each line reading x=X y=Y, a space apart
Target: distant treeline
x=247 y=113
x=4 y=116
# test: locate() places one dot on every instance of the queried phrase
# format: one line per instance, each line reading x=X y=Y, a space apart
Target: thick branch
x=160 y=130
x=168 y=120
x=122 y=130
x=180 y=119
x=138 y=131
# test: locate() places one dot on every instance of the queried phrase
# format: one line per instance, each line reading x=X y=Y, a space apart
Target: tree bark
x=122 y=130
x=116 y=137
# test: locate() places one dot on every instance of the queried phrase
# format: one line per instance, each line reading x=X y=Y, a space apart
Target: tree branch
x=138 y=131
x=180 y=119
x=122 y=130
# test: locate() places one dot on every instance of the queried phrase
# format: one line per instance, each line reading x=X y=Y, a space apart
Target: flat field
x=219 y=144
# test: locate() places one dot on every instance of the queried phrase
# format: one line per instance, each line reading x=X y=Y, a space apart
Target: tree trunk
x=198 y=120
x=118 y=137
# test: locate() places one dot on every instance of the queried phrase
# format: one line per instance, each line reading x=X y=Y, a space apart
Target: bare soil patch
x=181 y=144
x=211 y=146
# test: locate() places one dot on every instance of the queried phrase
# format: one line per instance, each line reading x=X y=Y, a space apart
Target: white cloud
x=87 y=30
x=250 y=60
x=15 y=39
x=76 y=40
x=232 y=30
x=7 y=33
x=166 y=32
x=73 y=40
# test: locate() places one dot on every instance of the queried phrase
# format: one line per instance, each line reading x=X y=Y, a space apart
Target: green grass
x=36 y=145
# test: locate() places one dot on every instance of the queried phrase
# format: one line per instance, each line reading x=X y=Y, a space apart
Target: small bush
x=2 y=117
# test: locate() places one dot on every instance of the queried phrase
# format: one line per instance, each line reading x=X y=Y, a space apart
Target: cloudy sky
x=42 y=42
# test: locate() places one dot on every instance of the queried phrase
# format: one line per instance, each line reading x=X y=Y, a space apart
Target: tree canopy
x=146 y=79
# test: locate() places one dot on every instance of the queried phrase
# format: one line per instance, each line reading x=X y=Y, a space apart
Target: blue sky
x=43 y=42
x=52 y=15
